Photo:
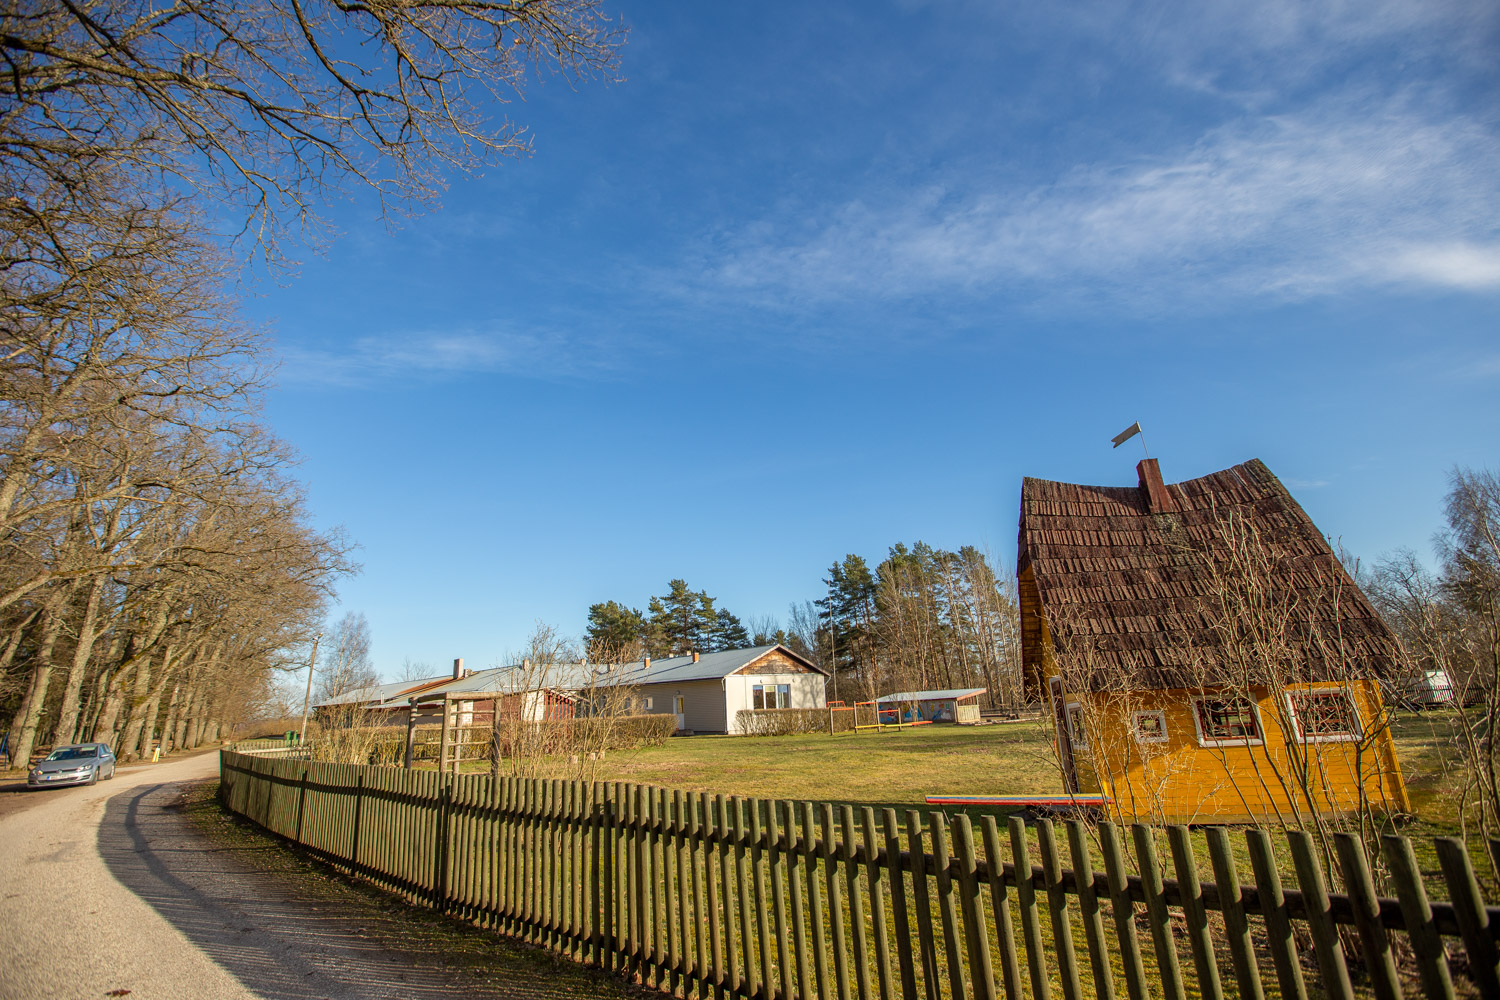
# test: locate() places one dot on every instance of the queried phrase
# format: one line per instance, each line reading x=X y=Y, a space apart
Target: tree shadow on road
x=291 y=929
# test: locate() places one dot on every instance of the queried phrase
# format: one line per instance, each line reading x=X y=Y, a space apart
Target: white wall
x=807 y=691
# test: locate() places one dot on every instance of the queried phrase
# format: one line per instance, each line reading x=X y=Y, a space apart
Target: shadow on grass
x=289 y=928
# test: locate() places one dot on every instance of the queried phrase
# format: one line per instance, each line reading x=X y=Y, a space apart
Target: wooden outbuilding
x=1206 y=655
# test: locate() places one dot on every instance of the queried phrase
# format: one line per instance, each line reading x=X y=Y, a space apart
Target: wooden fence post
x=1380 y=966
x=1468 y=908
x=1231 y=904
x=1426 y=942
x=1031 y=925
x=1319 y=916
x=1088 y=905
x=1191 y=888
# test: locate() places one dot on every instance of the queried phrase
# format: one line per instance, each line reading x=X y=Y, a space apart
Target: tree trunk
x=189 y=705
x=169 y=725
x=67 y=712
x=140 y=691
x=28 y=719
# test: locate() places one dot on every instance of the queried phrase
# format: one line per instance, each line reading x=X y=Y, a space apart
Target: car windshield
x=73 y=753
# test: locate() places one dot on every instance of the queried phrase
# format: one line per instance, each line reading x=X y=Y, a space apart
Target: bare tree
x=266 y=106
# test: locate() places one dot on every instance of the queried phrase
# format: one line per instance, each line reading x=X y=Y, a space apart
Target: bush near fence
x=775 y=900
x=630 y=732
x=796 y=721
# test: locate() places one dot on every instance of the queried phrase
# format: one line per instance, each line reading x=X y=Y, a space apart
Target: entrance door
x=679 y=709
x=1064 y=743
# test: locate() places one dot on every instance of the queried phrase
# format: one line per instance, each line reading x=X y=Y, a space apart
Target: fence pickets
x=713 y=896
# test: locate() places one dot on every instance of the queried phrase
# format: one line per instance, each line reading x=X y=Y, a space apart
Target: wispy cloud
x=428 y=356
x=1348 y=193
x=1304 y=484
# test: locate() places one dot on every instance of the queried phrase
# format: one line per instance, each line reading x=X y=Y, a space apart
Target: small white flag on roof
x=1127 y=434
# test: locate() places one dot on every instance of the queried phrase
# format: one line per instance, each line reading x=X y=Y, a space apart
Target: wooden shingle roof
x=1142 y=576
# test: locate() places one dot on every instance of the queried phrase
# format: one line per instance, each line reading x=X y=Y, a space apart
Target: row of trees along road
x=157 y=563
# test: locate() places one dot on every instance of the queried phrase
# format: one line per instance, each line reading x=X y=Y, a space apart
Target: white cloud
x=1345 y=194
x=430 y=355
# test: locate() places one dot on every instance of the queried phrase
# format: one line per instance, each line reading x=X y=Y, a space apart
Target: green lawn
x=887 y=768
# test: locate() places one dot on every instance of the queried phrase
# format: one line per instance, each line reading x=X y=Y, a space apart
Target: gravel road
x=111 y=890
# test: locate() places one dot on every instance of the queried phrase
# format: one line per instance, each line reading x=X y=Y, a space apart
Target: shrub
x=786 y=721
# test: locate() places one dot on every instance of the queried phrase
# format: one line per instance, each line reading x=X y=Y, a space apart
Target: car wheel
x=111 y=772
x=94 y=777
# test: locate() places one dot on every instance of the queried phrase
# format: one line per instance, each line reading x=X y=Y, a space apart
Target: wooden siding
x=1183 y=781
x=776 y=662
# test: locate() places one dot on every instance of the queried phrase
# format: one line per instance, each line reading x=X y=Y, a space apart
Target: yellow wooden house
x=1205 y=655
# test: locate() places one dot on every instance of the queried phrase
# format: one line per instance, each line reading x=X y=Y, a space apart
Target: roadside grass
x=491 y=965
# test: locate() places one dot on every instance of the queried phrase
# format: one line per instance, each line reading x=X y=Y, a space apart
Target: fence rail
x=778 y=900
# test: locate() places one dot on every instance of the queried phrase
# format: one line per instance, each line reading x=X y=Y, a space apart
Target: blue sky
x=814 y=279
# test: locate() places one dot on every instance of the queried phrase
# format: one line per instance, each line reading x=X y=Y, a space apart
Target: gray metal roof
x=942 y=695
x=710 y=666
x=516 y=678
x=375 y=694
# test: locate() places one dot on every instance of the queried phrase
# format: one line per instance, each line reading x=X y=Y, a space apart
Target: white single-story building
x=707 y=691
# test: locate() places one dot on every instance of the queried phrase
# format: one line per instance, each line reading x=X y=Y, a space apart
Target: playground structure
x=863 y=717
x=958 y=705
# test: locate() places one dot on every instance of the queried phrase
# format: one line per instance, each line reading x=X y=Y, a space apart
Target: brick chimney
x=458 y=668
x=695 y=656
x=1158 y=500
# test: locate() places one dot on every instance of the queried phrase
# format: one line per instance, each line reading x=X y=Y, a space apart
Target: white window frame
x=649 y=702
x=1077 y=735
x=1343 y=689
x=1135 y=725
x=1204 y=741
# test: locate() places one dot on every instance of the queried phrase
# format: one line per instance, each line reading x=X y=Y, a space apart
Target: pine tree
x=729 y=633
x=681 y=621
x=613 y=626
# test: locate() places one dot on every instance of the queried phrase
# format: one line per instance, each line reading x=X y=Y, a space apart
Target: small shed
x=959 y=705
x=1206 y=655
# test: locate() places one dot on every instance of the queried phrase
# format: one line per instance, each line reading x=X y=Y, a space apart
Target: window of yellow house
x=1324 y=714
x=1226 y=720
x=1149 y=727
x=1077 y=732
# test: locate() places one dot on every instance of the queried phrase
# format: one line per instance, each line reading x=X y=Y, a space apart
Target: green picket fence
x=775 y=900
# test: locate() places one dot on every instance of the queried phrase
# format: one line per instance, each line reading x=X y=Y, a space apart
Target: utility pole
x=307 y=698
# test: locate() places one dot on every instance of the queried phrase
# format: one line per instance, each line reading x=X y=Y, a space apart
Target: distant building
x=1159 y=700
x=960 y=705
x=707 y=691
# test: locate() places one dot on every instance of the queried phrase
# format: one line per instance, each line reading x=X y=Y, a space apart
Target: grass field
x=904 y=766
x=894 y=767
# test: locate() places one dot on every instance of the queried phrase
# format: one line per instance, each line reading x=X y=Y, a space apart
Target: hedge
x=796 y=721
x=630 y=732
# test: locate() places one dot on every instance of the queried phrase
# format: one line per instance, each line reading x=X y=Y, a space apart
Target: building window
x=648 y=704
x=1077 y=731
x=764 y=696
x=1324 y=714
x=1150 y=727
x=1226 y=720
